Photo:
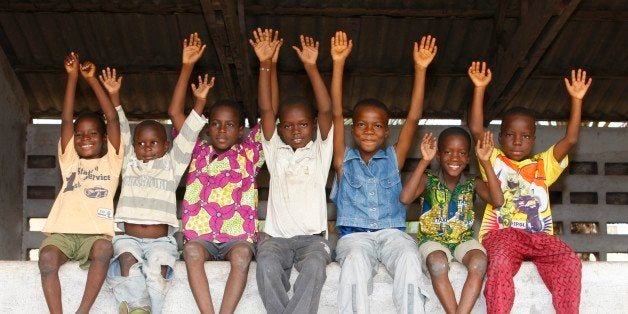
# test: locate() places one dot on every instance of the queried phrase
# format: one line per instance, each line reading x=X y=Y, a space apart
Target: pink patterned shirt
x=220 y=202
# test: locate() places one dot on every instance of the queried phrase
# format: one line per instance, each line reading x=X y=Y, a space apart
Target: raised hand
x=204 y=85
x=340 y=46
x=71 y=63
x=484 y=146
x=263 y=45
x=276 y=39
x=428 y=147
x=309 y=50
x=193 y=49
x=579 y=85
x=110 y=80
x=479 y=74
x=88 y=69
x=424 y=52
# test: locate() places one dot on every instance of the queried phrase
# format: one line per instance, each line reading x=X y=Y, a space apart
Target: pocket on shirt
x=390 y=188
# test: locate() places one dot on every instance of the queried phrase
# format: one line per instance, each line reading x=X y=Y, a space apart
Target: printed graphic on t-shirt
x=77 y=180
x=525 y=197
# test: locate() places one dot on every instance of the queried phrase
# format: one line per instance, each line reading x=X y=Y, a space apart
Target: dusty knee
x=102 y=251
x=478 y=265
x=240 y=257
x=437 y=263
x=193 y=252
x=126 y=261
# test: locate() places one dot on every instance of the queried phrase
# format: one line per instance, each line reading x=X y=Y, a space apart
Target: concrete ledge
x=604 y=290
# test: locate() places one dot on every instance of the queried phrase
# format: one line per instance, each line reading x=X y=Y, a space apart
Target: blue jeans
x=145 y=284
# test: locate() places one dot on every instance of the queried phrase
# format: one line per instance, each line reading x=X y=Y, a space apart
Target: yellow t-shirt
x=526 y=196
x=85 y=203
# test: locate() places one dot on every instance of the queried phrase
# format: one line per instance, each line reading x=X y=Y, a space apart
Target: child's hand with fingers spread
x=263 y=45
x=110 y=80
x=479 y=74
x=484 y=147
x=193 y=49
x=71 y=63
x=88 y=69
x=428 y=147
x=204 y=85
x=309 y=50
x=424 y=52
x=340 y=46
x=279 y=42
x=579 y=85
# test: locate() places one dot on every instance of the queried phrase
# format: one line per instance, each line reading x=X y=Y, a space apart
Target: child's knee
x=240 y=257
x=437 y=263
x=193 y=252
x=49 y=260
x=477 y=265
x=102 y=251
x=126 y=260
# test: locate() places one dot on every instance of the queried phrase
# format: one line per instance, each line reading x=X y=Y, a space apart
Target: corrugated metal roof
x=143 y=40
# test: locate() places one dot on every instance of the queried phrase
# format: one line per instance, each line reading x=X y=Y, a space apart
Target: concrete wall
x=604 y=290
x=13 y=121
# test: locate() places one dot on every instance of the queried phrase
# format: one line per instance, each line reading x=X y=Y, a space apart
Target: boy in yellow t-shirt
x=521 y=229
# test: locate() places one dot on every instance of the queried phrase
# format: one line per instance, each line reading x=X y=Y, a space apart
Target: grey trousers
x=275 y=257
x=359 y=255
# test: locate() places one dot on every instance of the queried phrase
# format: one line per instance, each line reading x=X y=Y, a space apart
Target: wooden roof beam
x=536 y=31
x=225 y=23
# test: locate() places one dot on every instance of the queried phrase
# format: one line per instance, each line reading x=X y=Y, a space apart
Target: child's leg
x=274 y=264
x=50 y=259
x=239 y=256
x=312 y=254
x=399 y=252
x=505 y=249
x=100 y=253
x=195 y=255
x=435 y=258
x=472 y=255
x=161 y=254
x=561 y=270
x=125 y=272
x=357 y=256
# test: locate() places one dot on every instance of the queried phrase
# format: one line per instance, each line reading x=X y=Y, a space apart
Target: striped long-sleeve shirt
x=148 y=189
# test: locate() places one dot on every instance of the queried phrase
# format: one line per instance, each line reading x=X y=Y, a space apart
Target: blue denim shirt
x=367 y=195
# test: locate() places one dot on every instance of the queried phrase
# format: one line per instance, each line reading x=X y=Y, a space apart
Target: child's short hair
x=296 y=101
x=453 y=131
x=151 y=124
x=370 y=102
x=519 y=111
x=98 y=118
x=225 y=103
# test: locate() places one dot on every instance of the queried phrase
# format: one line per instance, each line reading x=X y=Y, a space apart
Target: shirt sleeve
x=68 y=155
x=115 y=160
x=325 y=150
x=552 y=167
x=183 y=144
x=269 y=147
x=253 y=143
x=125 y=133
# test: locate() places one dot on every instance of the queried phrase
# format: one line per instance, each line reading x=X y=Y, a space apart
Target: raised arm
x=308 y=55
x=423 y=54
x=264 y=49
x=274 y=81
x=480 y=75
x=340 y=49
x=489 y=191
x=71 y=64
x=577 y=88
x=88 y=71
x=112 y=83
x=200 y=92
x=415 y=186
x=193 y=49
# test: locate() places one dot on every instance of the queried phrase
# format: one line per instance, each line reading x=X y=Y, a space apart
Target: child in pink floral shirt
x=220 y=202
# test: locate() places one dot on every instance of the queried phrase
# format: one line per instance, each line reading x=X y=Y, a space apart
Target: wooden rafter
x=225 y=22
x=536 y=31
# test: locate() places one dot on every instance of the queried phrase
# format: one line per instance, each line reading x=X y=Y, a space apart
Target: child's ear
x=241 y=131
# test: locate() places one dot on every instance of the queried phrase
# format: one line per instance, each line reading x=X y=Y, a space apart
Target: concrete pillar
x=15 y=117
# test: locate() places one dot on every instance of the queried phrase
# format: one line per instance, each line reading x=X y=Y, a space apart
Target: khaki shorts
x=461 y=250
x=75 y=246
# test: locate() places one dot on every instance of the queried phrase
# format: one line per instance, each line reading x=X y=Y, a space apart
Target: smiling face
x=297 y=126
x=224 y=128
x=517 y=136
x=453 y=155
x=149 y=141
x=89 y=138
x=369 y=130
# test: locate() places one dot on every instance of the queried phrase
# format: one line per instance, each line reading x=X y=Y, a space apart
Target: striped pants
x=559 y=267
